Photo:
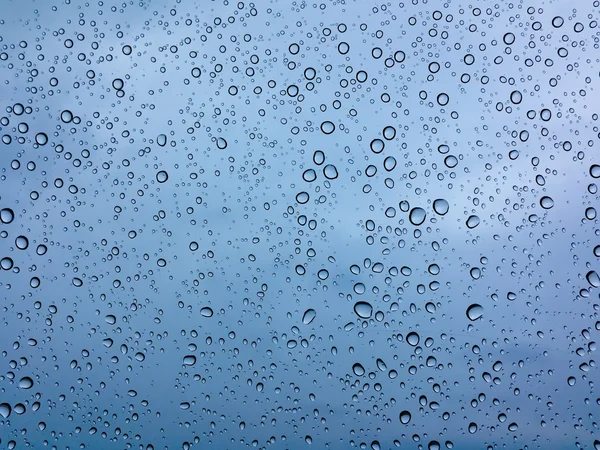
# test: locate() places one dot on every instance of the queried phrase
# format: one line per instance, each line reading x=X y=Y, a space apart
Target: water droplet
x=441 y=206
x=7 y=215
x=221 y=143
x=472 y=221
x=593 y=278
x=595 y=171
x=590 y=213
x=509 y=38
x=189 y=360
x=389 y=133
x=309 y=175
x=413 y=338
x=330 y=172
x=302 y=197
x=309 y=316
x=66 y=116
x=41 y=139
x=110 y=319
x=162 y=176
x=405 y=417
x=359 y=288
x=5 y=410
x=25 y=383
x=474 y=312
x=161 y=140
x=206 y=312
x=363 y=309
x=358 y=369
x=546 y=202
x=516 y=97
x=377 y=145
x=6 y=263
x=21 y=242
x=417 y=216
x=327 y=127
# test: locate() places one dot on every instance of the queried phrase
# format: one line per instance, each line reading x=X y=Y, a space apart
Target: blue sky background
x=132 y=261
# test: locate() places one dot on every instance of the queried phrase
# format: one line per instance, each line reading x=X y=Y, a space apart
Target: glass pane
x=336 y=224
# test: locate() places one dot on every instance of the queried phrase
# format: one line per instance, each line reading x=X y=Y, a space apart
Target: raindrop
x=5 y=410
x=474 y=312
x=221 y=143
x=309 y=175
x=441 y=206
x=377 y=145
x=516 y=97
x=546 y=202
x=162 y=176
x=389 y=133
x=405 y=417
x=25 y=383
x=417 y=216
x=41 y=139
x=330 y=172
x=358 y=370
x=327 y=127
x=189 y=360
x=206 y=312
x=364 y=310
x=7 y=215
x=413 y=339
x=21 y=242
x=309 y=316
x=593 y=278
x=472 y=221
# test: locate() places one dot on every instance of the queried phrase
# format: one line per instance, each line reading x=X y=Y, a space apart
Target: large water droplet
x=441 y=206
x=309 y=316
x=546 y=202
x=206 y=312
x=26 y=383
x=413 y=338
x=417 y=216
x=473 y=221
x=358 y=370
x=474 y=312
x=363 y=309
x=7 y=215
x=405 y=417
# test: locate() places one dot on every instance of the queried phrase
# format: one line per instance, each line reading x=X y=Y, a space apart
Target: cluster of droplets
x=324 y=225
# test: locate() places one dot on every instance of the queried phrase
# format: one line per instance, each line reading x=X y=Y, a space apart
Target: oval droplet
x=474 y=312
x=309 y=316
x=405 y=417
x=441 y=206
x=363 y=309
x=417 y=216
x=206 y=312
